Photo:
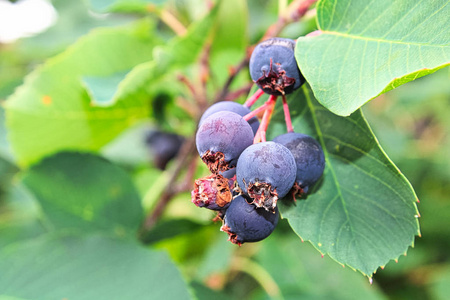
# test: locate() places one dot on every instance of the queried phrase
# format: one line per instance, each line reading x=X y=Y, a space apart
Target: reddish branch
x=187 y=155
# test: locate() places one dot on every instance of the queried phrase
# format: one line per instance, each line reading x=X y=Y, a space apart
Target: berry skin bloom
x=244 y=222
x=221 y=139
x=273 y=67
x=309 y=158
x=266 y=172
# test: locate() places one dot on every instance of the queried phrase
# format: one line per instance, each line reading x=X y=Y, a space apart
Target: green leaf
x=5 y=150
x=102 y=88
x=122 y=5
x=363 y=210
x=230 y=40
x=53 y=111
x=86 y=193
x=301 y=273
x=167 y=229
x=92 y=267
x=367 y=48
x=204 y=293
x=178 y=53
x=438 y=284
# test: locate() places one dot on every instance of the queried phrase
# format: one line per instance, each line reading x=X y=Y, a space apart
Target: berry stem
x=256 y=111
x=287 y=115
x=253 y=98
x=260 y=135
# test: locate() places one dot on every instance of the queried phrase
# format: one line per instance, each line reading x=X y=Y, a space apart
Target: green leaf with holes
x=366 y=48
x=85 y=193
x=53 y=109
x=363 y=211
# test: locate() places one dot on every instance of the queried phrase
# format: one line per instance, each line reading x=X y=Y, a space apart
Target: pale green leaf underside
x=53 y=109
x=102 y=88
x=93 y=267
x=362 y=212
x=370 y=47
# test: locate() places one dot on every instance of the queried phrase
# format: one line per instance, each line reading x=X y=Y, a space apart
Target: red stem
x=256 y=111
x=261 y=133
x=287 y=115
x=253 y=98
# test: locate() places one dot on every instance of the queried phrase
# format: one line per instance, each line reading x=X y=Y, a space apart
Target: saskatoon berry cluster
x=249 y=174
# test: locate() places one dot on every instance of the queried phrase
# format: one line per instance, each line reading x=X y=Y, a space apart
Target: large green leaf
x=366 y=48
x=362 y=212
x=86 y=193
x=301 y=273
x=92 y=267
x=52 y=111
x=123 y=5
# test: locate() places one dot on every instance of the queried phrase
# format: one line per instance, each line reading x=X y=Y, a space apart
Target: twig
x=223 y=93
x=185 y=154
x=172 y=22
x=236 y=94
x=205 y=72
x=297 y=9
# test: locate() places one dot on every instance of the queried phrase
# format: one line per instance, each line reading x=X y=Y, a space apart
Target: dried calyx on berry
x=266 y=172
x=221 y=139
x=213 y=192
x=273 y=66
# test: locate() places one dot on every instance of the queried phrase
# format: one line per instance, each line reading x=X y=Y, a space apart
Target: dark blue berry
x=233 y=107
x=266 y=172
x=244 y=222
x=163 y=147
x=221 y=139
x=308 y=155
x=273 y=67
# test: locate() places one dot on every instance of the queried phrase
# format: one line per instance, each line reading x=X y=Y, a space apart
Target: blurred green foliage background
x=412 y=123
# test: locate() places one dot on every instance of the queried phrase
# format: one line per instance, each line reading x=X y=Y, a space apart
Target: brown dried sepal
x=297 y=190
x=232 y=237
x=263 y=195
x=215 y=161
x=219 y=216
x=275 y=80
x=212 y=192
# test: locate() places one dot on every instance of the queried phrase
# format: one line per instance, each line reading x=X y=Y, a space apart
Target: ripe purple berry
x=273 y=67
x=163 y=147
x=309 y=157
x=266 y=172
x=221 y=139
x=244 y=222
x=233 y=107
